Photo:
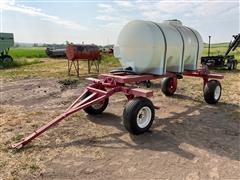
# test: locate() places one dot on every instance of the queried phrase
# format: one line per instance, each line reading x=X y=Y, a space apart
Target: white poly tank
x=155 y=48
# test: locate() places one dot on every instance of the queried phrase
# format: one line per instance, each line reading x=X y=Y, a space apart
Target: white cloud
x=113 y=22
x=214 y=8
x=162 y=9
x=111 y=16
x=12 y=6
x=125 y=4
x=204 y=15
x=192 y=10
x=105 y=8
x=107 y=18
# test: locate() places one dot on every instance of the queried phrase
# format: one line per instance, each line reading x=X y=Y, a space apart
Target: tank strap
x=198 y=45
x=182 y=64
x=165 y=42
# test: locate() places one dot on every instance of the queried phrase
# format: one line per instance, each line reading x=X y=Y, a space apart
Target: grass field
x=34 y=62
x=38 y=52
x=220 y=49
x=47 y=67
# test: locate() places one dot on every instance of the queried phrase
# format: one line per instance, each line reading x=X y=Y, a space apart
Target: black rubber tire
x=148 y=83
x=165 y=83
x=130 y=114
x=230 y=66
x=235 y=64
x=209 y=91
x=93 y=111
x=7 y=59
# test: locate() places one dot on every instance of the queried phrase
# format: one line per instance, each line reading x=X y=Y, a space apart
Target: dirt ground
x=188 y=140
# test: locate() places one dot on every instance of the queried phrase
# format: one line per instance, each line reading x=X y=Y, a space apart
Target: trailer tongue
x=139 y=112
x=76 y=106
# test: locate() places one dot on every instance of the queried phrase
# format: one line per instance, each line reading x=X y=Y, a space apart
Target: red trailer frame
x=107 y=85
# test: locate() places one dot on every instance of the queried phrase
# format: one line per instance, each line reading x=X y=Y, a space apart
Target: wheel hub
x=7 y=59
x=217 y=92
x=97 y=105
x=172 y=85
x=144 y=117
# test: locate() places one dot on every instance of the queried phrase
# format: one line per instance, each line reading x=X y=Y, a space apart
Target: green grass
x=18 y=63
x=48 y=68
x=220 y=49
x=109 y=60
x=38 y=52
x=56 y=68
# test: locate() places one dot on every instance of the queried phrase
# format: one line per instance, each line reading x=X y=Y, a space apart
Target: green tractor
x=6 y=41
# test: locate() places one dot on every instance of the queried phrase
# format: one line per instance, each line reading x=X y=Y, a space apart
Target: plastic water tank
x=156 y=48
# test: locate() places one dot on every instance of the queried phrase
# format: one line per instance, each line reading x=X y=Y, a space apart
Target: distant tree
x=35 y=45
x=44 y=45
x=16 y=45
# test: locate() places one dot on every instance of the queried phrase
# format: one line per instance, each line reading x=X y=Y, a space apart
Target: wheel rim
x=217 y=92
x=172 y=85
x=144 y=117
x=7 y=59
x=97 y=105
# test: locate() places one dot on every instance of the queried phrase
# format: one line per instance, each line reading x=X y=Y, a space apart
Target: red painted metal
x=82 y=52
x=173 y=85
x=76 y=107
x=199 y=73
x=124 y=78
x=113 y=83
x=204 y=74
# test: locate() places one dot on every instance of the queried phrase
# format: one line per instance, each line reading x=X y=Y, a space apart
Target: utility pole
x=209 y=41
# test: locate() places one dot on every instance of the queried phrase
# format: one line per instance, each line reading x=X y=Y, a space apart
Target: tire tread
x=164 y=86
x=90 y=110
x=130 y=112
x=209 y=90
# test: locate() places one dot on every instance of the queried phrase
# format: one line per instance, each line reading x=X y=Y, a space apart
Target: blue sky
x=99 y=22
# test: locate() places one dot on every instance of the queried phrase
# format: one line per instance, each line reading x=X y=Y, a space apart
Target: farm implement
x=139 y=112
x=6 y=41
x=56 y=51
x=225 y=60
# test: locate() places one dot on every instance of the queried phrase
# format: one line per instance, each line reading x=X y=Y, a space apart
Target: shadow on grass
x=18 y=63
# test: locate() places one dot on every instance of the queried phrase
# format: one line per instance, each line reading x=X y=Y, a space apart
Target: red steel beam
x=197 y=74
x=78 y=106
x=129 y=78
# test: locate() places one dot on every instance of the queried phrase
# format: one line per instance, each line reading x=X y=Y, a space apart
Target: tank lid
x=174 y=22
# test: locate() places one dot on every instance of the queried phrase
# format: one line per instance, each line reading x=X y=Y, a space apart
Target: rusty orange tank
x=82 y=52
